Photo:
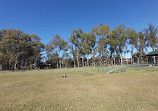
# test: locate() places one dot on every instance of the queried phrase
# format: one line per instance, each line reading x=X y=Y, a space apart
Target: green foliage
x=19 y=49
x=103 y=32
x=54 y=48
x=151 y=35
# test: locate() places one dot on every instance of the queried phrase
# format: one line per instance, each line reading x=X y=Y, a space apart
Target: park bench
x=111 y=71
x=117 y=70
x=122 y=69
x=85 y=73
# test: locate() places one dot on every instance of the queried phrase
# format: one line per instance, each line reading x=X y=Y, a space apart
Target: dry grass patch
x=132 y=91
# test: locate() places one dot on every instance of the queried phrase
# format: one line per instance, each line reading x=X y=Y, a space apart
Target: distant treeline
x=101 y=46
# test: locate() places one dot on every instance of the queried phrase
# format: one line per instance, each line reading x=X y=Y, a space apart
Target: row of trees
x=101 y=46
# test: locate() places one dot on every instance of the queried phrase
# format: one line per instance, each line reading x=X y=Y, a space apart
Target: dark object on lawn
x=63 y=76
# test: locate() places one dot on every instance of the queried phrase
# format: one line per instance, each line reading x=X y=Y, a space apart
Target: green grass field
x=44 y=90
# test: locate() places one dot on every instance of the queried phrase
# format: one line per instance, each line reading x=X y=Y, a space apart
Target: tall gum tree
x=122 y=38
x=89 y=44
x=102 y=31
x=113 y=43
x=132 y=40
x=57 y=45
x=75 y=39
x=151 y=33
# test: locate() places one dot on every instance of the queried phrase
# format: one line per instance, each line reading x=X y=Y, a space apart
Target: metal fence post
x=4 y=73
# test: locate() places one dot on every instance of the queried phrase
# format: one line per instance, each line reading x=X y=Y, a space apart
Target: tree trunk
x=15 y=64
x=94 y=62
x=82 y=62
x=77 y=59
x=131 y=58
x=121 y=59
x=66 y=63
x=154 y=59
x=74 y=63
x=0 y=67
x=154 y=56
x=60 y=64
x=87 y=62
x=114 y=61
x=10 y=65
x=138 y=60
x=101 y=60
x=57 y=65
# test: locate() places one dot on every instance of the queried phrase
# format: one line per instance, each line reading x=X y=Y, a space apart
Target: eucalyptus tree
x=12 y=47
x=37 y=48
x=56 y=46
x=65 y=59
x=74 y=55
x=122 y=38
x=102 y=31
x=1 y=49
x=113 y=43
x=49 y=49
x=94 y=52
x=141 y=45
x=81 y=48
x=89 y=44
x=75 y=40
x=151 y=33
x=133 y=41
x=95 y=31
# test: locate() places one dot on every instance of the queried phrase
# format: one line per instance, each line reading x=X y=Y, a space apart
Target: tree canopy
x=19 y=50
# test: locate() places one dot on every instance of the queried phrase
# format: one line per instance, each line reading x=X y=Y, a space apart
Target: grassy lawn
x=45 y=90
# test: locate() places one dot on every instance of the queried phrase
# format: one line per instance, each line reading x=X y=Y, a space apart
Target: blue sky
x=47 y=18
